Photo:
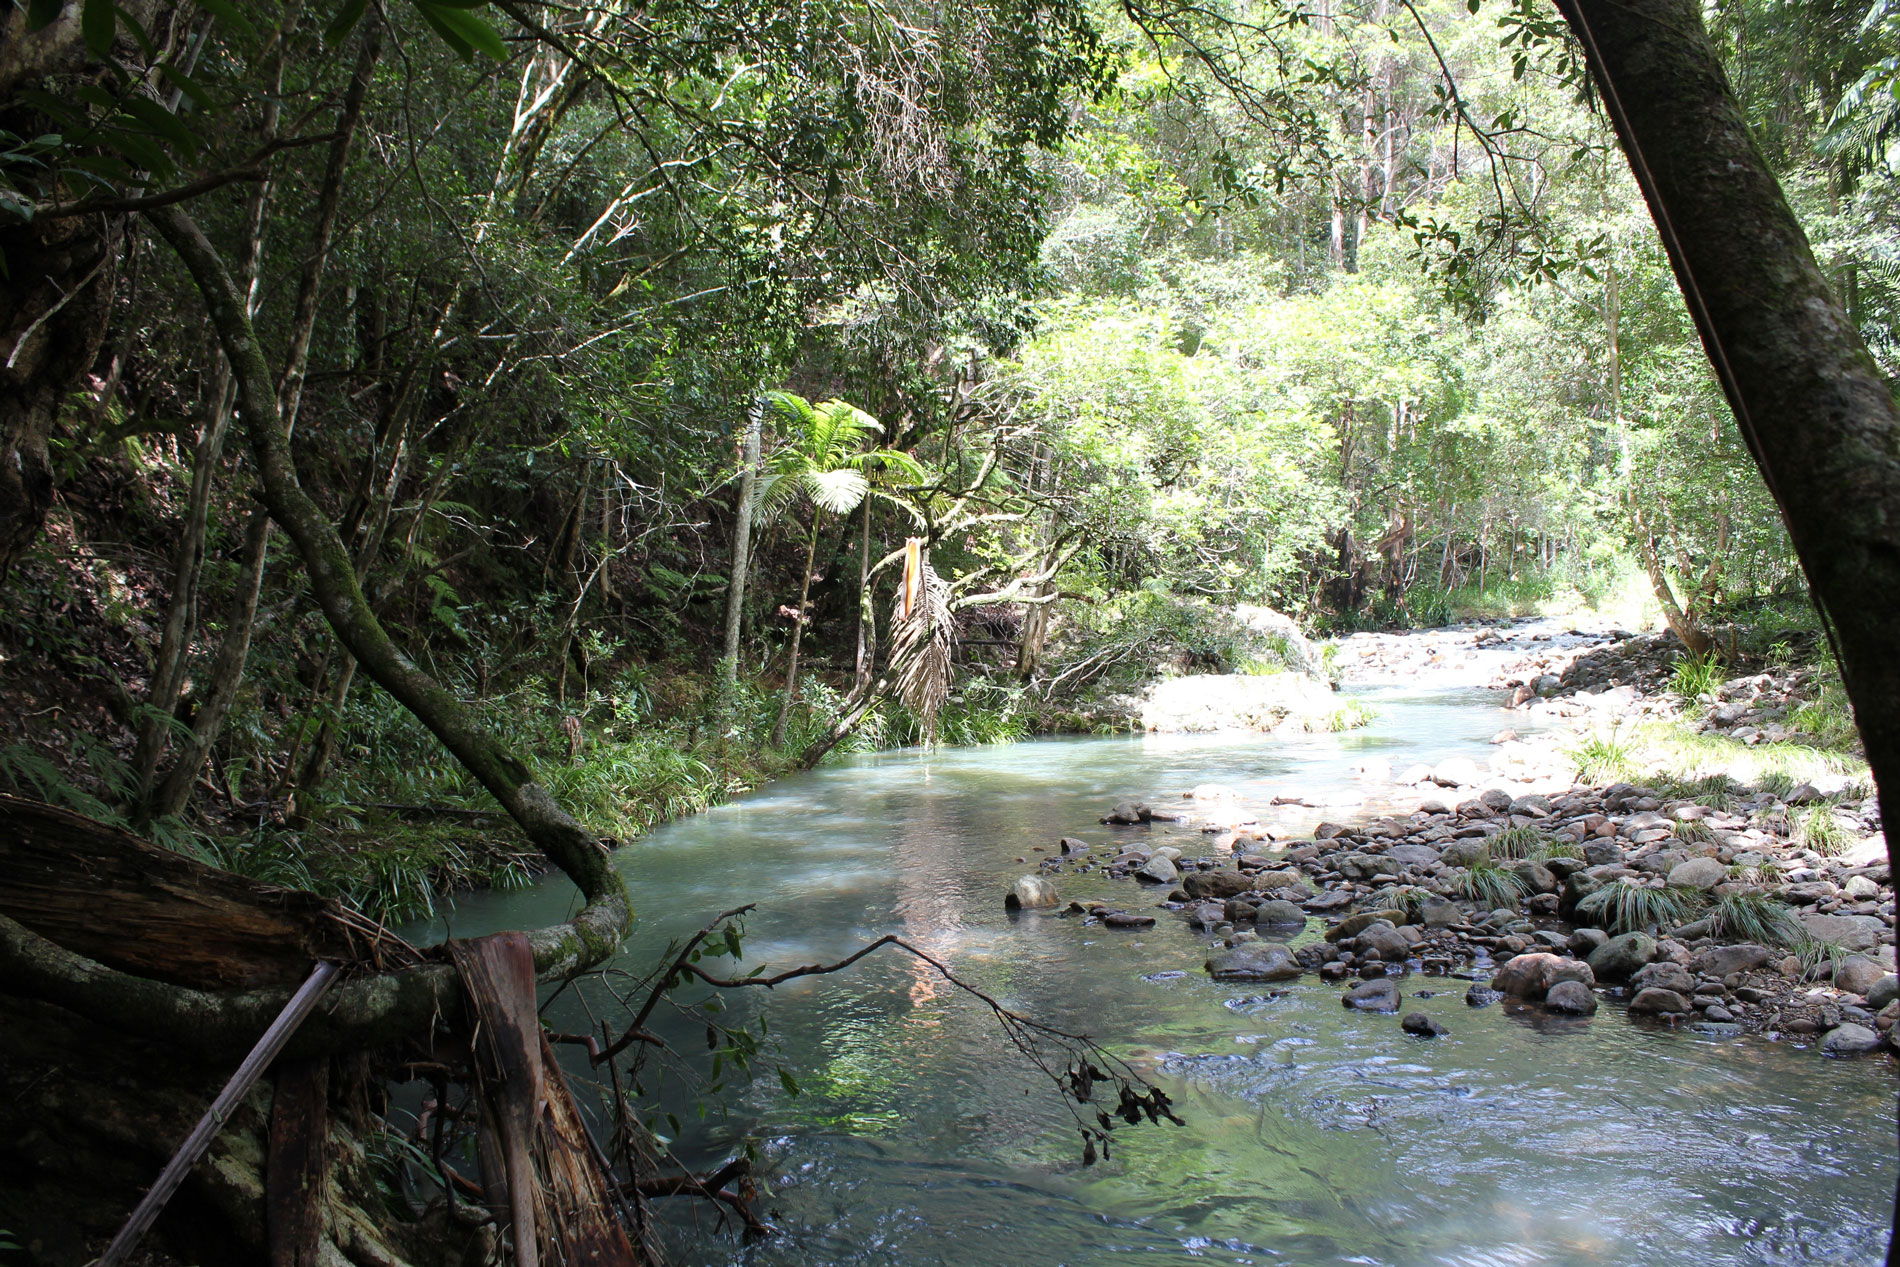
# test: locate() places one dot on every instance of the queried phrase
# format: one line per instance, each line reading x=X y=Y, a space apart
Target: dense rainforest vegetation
x=436 y=437
x=1152 y=314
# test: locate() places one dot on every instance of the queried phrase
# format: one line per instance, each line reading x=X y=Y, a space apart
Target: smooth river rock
x=1849 y=1040
x=1698 y=873
x=1531 y=976
x=1722 y=960
x=1373 y=996
x=1852 y=932
x=1857 y=974
x=1421 y=1025
x=1158 y=870
x=1621 y=958
x=1029 y=892
x=1654 y=1000
x=1254 y=961
x=1572 y=998
x=1216 y=885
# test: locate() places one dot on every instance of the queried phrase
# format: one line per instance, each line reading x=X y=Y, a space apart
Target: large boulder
x=1531 y=976
x=1261 y=632
x=1029 y=892
x=1883 y=992
x=1719 y=961
x=1850 y=932
x=1254 y=961
x=1440 y=913
x=1621 y=958
x=1698 y=873
x=1216 y=885
x=1857 y=974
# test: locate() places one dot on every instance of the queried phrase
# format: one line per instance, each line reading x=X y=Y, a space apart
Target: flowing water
x=1313 y=1135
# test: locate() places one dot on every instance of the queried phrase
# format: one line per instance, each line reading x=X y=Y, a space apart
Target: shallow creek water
x=1314 y=1135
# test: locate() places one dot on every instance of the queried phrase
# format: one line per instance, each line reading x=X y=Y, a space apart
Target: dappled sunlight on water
x=1313 y=1135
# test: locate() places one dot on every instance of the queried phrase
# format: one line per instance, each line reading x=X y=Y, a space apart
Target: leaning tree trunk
x=597 y=930
x=1810 y=402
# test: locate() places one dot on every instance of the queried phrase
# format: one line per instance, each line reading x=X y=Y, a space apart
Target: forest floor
x=1712 y=860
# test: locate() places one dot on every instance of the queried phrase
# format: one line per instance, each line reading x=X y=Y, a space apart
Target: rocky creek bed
x=1706 y=911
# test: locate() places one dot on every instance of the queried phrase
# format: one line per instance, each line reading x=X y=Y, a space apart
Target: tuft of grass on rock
x=1491 y=885
x=1758 y=918
x=1629 y=906
x=1821 y=830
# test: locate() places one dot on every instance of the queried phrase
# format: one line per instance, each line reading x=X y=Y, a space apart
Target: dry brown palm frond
x=923 y=636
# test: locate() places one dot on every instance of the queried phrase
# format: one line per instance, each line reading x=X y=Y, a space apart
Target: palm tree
x=823 y=461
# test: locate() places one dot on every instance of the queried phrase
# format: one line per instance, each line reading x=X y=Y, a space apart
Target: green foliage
x=1828 y=719
x=1625 y=905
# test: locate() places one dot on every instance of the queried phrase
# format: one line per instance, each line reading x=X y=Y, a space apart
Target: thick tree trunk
x=1808 y=397
x=742 y=535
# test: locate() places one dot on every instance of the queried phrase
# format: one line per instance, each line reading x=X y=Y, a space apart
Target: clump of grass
x=1744 y=874
x=1348 y=716
x=1828 y=720
x=1628 y=906
x=1604 y=759
x=1562 y=849
x=1820 y=830
x=1409 y=898
x=1515 y=844
x=1693 y=831
x=1696 y=676
x=1775 y=783
x=1491 y=885
x=1758 y=918
x=1716 y=791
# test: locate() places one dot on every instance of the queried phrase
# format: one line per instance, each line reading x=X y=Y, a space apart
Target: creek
x=1314 y=1135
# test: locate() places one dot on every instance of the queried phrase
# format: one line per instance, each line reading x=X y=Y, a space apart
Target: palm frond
x=923 y=637
x=838 y=490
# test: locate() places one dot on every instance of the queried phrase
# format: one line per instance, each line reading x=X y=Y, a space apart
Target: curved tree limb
x=596 y=932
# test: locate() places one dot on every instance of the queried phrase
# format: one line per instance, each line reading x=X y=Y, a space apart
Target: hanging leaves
x=924 y=638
